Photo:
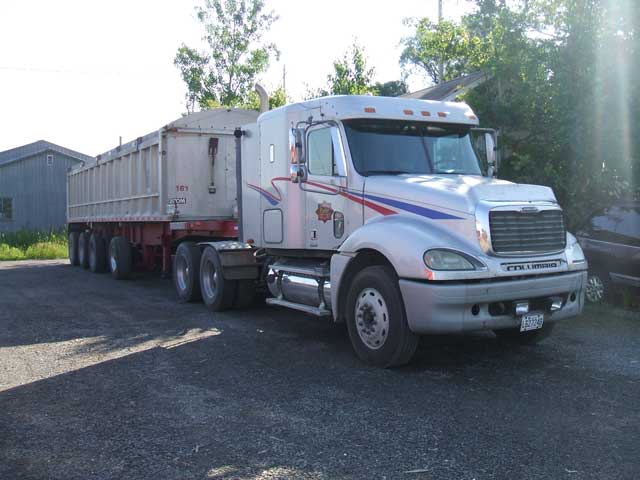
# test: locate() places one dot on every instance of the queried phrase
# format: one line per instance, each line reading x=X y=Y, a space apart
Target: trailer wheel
x=376 y=319
x=83 y=249
x=97 y=253
x=186 y=272
x=218 y=293
x=120 y=258
x=73 y=249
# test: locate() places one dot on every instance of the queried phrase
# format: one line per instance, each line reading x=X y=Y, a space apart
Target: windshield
x=397 y=146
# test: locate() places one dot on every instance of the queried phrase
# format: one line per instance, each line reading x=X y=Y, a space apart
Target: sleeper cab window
x=320 y=147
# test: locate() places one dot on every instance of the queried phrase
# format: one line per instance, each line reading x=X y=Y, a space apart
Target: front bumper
x=449 y=307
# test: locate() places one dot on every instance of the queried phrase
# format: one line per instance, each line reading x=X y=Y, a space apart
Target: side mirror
x=298 y=173
x=296 y=143
x=492 y=158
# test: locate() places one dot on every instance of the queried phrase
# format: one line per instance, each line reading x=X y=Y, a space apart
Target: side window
x=602 y=226
x=6 y=209
x=629 y=227
x=320 y=152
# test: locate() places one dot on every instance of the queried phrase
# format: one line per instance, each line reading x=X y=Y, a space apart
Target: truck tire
x=73 y=249
x=83 y=250
x=218 y=293
x=515 y=337
x=186 y=272
x=120 y=263
x=376 y=319
x=97 y=253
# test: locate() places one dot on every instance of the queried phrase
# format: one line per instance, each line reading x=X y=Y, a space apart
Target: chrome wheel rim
x=372 y=318
x=183 y=273
x=209 y=280
x=595 y=289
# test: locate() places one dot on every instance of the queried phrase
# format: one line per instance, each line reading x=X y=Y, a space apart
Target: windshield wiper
x=385 y=172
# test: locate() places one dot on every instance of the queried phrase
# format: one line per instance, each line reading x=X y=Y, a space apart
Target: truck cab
x=382 y=213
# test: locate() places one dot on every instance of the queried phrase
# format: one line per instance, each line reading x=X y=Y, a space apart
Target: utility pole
x=441 y=66
x=284 y=80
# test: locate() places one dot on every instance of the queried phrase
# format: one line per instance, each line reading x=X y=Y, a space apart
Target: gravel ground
x=106 y=380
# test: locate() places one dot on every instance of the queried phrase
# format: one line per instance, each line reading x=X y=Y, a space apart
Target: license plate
x=531 y=321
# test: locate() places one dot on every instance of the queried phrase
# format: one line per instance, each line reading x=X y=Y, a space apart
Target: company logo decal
x=531 y=266
x=324 y=212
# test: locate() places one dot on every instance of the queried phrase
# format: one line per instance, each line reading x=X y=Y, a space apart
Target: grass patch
x=33 y=245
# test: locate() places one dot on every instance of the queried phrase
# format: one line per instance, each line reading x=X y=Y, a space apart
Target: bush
x=7 y=252
x=33 y=245
x=46 y=251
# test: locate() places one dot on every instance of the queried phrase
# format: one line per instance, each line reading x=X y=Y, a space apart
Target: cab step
x=318 y=312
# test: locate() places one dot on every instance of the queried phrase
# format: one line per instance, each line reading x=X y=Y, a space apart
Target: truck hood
x=460 y=193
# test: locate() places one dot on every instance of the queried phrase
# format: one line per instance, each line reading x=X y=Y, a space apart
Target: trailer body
x=174 y=183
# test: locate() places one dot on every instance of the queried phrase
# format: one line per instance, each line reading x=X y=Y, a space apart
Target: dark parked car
x=610 y=239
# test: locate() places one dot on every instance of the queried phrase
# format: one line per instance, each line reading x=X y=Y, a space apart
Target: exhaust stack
x=264 y=98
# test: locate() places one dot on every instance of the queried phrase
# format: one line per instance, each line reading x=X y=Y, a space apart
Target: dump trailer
x=384 y=213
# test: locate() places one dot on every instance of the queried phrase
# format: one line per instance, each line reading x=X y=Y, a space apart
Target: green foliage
x=225 y=75
x=564 y=90
x=33 y=245
x=393 y=88
x=277 y=99
x=351 y=75
x=435 y=43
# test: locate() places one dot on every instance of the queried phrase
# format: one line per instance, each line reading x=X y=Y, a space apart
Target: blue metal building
x=33 y=185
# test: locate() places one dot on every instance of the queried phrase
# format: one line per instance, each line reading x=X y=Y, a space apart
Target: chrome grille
x=519 y=232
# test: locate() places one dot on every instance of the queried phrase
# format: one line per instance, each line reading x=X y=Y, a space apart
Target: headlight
x=442 y=259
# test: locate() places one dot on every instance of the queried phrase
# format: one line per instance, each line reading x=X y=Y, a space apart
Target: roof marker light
x=442 y=114
x=425 y=113
x=471 y=116
x=369 y=109
x=408 y=112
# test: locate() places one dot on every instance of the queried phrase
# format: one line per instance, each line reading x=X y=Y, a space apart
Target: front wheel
x=376 y=319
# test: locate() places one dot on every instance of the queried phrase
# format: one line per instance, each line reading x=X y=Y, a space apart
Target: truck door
x=325 y=203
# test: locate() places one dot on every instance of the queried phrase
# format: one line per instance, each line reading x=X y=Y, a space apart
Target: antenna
x=441 y=65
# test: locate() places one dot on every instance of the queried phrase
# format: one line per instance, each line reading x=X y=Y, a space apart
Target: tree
x=351 y=75
x=225 y=75
x=435 y=43
x=563 y=90
x=393 y=88
x=277 y=98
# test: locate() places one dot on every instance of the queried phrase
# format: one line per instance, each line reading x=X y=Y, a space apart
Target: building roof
x=35 y=148
x=448 y=91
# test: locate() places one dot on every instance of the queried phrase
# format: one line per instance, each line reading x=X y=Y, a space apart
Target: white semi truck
x=378 y=212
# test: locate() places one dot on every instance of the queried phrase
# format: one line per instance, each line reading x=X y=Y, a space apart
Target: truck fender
x=399 y=240
x=403 y=240
x=237 y=258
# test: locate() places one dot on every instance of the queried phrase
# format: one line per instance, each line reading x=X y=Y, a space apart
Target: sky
x=82 y=73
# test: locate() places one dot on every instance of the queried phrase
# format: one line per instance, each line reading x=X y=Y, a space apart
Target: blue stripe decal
x=273 y=201
x=422 y=211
